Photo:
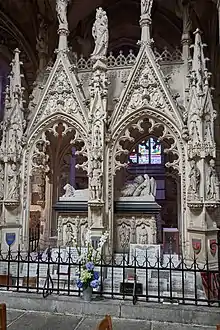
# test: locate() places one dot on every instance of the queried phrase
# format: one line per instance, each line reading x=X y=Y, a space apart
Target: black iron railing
x=165 y=279
x=34 y=238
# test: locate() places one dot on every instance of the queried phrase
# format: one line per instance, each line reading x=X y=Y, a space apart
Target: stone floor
x=20 y=320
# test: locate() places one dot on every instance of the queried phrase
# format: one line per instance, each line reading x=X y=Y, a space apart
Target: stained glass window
x=146 y=152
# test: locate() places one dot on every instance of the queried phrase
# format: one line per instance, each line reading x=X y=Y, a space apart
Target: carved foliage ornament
x=145 y=90
x=60 y=97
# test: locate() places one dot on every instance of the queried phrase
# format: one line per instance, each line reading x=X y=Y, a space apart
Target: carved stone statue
x=42 y=43
x=69 y=235
x=142 y=186
x=146 y=6
x=212 y=182
x=84 y=235
x=124 y=235
x=143 y=235
x=69 y=190
x=1 y=181
x=13 y=183
x=194 y=177
x=96 y=181
x=100 y=33
x=14 y=137
x=61 y=8
x=184 y=10
x=71 y=194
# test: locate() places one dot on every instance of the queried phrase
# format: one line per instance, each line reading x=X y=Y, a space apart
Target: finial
x=146 y=6
x=145 y=21
x=199 y=74
x=61 y=8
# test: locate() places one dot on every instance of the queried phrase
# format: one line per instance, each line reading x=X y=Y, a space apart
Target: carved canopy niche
x=140 y=130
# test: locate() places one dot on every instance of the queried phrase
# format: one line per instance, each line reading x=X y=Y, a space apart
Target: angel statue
x=100 y=33
x=61 y=8
x=146 y=6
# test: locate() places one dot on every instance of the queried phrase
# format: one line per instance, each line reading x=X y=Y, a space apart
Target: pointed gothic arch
x=144 y=122
x=36 y=158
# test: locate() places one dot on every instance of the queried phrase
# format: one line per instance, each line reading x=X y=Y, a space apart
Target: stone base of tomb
x=72 y=226
x=204 y=246
x=134 y=223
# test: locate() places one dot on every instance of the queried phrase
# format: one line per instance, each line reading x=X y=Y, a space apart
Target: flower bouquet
x=88 y=277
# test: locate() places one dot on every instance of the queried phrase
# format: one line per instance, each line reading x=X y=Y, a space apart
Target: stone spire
x=14 y=116
x=203 y=198
x=145 y=20
x=12 y=139
x=201 y=114
x=63 y=31
x=199 y=76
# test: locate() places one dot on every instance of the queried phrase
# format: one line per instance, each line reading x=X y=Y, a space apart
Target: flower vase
x=87 y=294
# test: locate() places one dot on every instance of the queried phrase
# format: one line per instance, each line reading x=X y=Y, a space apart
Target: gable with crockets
x=146 y=87
x=61 y=95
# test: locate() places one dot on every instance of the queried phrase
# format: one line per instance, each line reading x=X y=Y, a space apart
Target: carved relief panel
x=72 y=228
x=137 y=229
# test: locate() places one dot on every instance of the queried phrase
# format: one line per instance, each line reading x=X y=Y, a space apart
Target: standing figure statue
x=69 y=235
x=100 y=33
x=124 y=235
x=194 y=177
x=212 y=182
x=13 y=183
x=42 y=43
x=146 y=6
x=1 y=181
x=96 y=181
x=61 y=9
x=143 y=236
x=184 y=10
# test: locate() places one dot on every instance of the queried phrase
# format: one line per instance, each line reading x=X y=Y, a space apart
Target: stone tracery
x=73 y=128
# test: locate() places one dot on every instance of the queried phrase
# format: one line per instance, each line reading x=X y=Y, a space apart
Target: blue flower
x=89 y=265
x=79 y=283
x=94 y=284
x=96 y=275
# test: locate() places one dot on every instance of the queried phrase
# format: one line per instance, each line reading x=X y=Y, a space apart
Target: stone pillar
x=97 y=125
x=186 y=41
x=11 y=150
x=218 y=8
x=98 y=113
x=203 y=200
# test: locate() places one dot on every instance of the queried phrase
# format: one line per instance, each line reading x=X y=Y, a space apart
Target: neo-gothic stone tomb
x=105 y=143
